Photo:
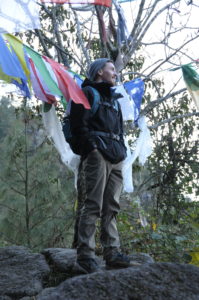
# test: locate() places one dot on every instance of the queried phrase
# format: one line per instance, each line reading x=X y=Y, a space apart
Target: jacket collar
x=104 y=88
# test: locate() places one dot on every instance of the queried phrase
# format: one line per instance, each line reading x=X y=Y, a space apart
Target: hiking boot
x=117 y=260
x=87 y=265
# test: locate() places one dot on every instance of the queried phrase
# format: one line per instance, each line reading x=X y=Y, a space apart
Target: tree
x=36 y=197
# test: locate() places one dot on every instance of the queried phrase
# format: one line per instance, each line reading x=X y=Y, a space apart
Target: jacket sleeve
x=79 y=117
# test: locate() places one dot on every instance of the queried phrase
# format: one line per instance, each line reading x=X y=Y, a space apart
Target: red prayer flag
x=67 y=84
x=94 y=2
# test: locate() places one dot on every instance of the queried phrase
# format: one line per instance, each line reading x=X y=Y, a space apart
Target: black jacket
x=107 y=119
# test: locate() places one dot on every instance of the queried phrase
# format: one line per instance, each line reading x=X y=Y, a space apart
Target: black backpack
x=66 y=120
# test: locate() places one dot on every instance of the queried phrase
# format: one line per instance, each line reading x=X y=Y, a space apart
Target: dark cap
x=95 y=66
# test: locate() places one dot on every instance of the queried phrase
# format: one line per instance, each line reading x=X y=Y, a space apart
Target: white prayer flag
x=18 y=15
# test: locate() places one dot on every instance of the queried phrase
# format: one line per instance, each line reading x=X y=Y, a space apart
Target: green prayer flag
x=45 y=74
x=191 y=78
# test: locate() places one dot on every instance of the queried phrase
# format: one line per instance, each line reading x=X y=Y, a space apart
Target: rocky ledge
x=50 y=275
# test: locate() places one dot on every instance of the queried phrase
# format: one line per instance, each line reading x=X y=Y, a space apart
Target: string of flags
x=29 y=70
x=106 y=3
x=27 y=17
x=94 y=2
x=50 y=81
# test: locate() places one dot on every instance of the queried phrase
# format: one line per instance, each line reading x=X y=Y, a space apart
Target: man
x=99 y=140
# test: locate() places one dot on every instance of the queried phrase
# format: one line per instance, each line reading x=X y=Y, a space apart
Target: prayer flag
x=49 y=78
x=135 y=88
x=9 y=62
x=18 y=48
x=123 y=1
x=43 y=71
x=94 y=2
x=67 y=84
x=10 y=68
x=122 y=30
x=18 y=15
x=41 y=91
x=78 y=79
x=191 y=78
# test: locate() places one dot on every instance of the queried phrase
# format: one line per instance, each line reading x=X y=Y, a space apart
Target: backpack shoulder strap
x=96 y=100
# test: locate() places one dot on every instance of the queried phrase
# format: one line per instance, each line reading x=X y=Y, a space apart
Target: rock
x=60 y=259
x=141 y=258
x=161 y=281
x=21 y=272
x=62 y=264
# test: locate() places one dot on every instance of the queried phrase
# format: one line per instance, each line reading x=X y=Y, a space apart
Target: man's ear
x=100 y=72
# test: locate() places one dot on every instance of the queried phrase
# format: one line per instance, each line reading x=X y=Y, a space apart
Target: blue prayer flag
x=78 y=80
x=135 y=88
x=10 y=65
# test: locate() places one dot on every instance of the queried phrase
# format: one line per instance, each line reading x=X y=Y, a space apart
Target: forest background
x=37 y=196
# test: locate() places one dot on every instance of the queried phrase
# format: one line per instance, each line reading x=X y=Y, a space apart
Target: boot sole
x=80 y=270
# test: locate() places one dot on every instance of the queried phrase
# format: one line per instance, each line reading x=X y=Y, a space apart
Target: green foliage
x=172 y=242
x=6 y=112
x=37 y=191
x=134 y=66
x=175 y=158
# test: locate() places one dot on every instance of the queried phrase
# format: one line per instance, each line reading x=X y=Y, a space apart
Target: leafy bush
x=164 y=242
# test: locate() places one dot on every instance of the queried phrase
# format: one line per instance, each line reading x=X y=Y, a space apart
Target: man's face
x=108 y=73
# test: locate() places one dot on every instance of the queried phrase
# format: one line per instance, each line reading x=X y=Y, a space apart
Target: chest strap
x=112 y=136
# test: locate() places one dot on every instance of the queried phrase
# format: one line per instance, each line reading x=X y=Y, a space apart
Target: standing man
x=98 y=138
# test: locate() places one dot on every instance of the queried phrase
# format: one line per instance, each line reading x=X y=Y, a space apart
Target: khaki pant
x=102 y=182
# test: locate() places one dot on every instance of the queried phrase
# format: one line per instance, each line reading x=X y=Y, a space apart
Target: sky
x=183 y=15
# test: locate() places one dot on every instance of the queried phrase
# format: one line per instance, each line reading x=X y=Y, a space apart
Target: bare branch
x=41 y=39
x=136 y=39
x=173 y=119
x=62 y=55
x=58 y=47
x=170 y=56
x=155 y=103
x=155 y=17
x=81 y=42
x=138 y=19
